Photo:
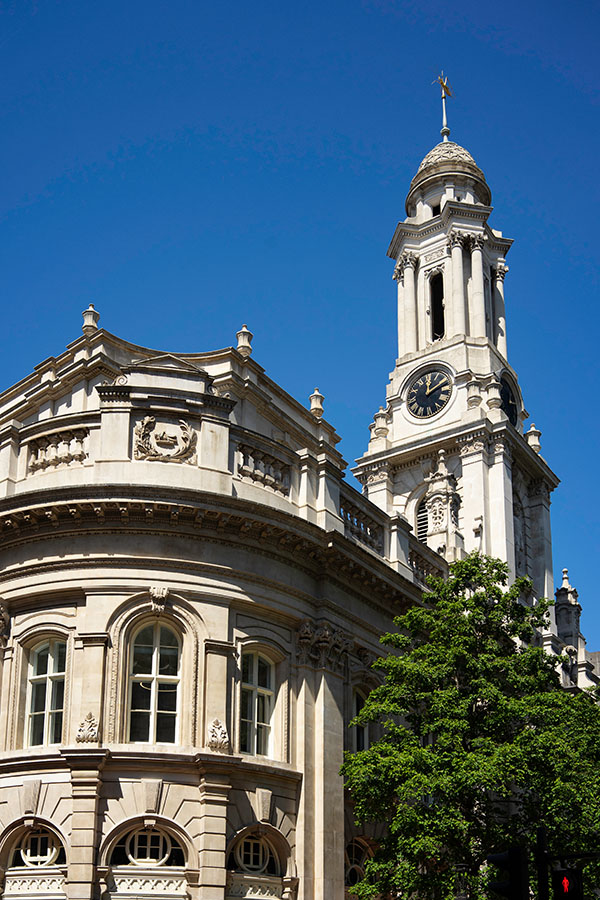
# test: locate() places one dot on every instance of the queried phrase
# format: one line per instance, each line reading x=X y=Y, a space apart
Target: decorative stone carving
x=435 y=270
x=4 y=624
x=476 y=445
x=500 y=271
x=262 y=886
x=158 y=596
x=149 y=884
x=435 y=254
x=88 y=731
x=152 y=445
x=322 y=645
x=218 y=739
x=406 y=260
x=443 y=502
x=456 y=238
x=34 y=885
x=477 y=242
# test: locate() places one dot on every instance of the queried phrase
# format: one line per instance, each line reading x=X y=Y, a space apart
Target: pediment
x=166 y=362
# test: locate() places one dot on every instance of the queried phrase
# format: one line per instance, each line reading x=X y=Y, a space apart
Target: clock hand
x=440 y=384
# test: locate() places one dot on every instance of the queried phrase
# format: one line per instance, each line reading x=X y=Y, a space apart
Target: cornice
x=224 y=519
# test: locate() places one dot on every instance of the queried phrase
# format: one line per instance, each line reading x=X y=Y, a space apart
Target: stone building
x=191 y=595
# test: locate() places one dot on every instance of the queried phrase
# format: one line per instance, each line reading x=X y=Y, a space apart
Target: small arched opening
x=37 y=864
x=436 y=296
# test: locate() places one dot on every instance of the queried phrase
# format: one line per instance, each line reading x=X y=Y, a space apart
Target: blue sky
x=188 y=167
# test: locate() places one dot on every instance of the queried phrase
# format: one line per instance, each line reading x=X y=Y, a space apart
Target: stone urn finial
x=316 y=404
x=90 y=320
x=533 y=438
x=244 y=342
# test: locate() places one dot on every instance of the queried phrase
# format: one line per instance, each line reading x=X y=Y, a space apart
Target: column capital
x=500 y=271
x=477 y=241
x=456 y=238
x=406 y=260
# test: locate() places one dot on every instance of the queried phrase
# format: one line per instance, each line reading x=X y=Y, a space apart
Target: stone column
x=86 y=765
x=501 y=519
x=540 y=549
x=478 y=325
x=473 y=455
x=9 y=455
x=500 y=272
x=323 y=650
x=456 y=241
x=401 y=342
x=407 y=265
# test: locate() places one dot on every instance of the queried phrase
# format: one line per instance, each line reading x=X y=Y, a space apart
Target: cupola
x=448 y=172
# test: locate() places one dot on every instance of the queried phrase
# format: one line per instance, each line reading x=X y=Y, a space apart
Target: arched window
x=356 y=855
x=147 y=847
x=154 y=685
x=37 y=848
x=422 y=522
x=436 y=294
x=46 y=693
x=361 y=732
x=254 y=855
x=256 y=704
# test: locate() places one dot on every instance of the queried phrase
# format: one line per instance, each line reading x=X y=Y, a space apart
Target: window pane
x=245 y=731
x=139 y=727
x=58 y=693
x=60 y=653
x=41 y=661
x=248 y=668
x=167 y=638
x=140 y=695
x=247 y=705
x=142 y=660
x=264 y=673
x=262 y=740
x=165 y=728
x=167 y=697
x=56 y=723
x=37 y=730
x=38 y=697
x=169 y=659
x=264 y=709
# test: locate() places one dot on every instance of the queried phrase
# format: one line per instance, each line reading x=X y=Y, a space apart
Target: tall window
x=47 y=693
x=436 y=287
x=154 y=685
x=256 y=706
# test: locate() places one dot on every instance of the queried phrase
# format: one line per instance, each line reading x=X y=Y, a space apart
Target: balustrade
x=264 y=468
x=60 y=448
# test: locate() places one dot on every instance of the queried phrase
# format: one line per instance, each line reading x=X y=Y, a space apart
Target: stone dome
x=448 y=158
x=446 y=151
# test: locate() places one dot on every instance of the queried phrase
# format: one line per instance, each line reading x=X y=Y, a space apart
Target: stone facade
x=191 y=596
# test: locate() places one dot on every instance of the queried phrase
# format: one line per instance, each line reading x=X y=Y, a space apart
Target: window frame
x=257 y=691
x=363 y=730
x=156 y=679
x=49 y=678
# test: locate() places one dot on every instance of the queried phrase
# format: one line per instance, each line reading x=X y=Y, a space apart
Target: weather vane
x=446 y=92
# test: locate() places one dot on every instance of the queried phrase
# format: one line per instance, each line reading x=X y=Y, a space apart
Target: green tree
x=478 y=745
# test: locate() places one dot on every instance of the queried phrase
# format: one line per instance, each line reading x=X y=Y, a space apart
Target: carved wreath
x=151 y=445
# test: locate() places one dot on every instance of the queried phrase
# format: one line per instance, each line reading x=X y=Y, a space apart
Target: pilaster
x=86 y=766
x=212 y=841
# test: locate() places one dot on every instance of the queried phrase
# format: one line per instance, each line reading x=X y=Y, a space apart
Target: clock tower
x=449 y=451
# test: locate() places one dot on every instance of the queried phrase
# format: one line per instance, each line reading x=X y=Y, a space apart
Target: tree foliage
x=478 y=743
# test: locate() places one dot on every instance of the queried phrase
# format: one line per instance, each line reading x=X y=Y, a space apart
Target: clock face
x=509 y=404
x=429 y=393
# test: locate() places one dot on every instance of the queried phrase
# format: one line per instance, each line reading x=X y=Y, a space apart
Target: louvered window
x=422 y=522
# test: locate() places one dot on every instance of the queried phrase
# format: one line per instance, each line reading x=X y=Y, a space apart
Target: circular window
x=39 y=848
x=148 y=847
x=255 y=854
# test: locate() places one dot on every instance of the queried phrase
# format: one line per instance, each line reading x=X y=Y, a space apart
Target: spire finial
x=442 y=80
